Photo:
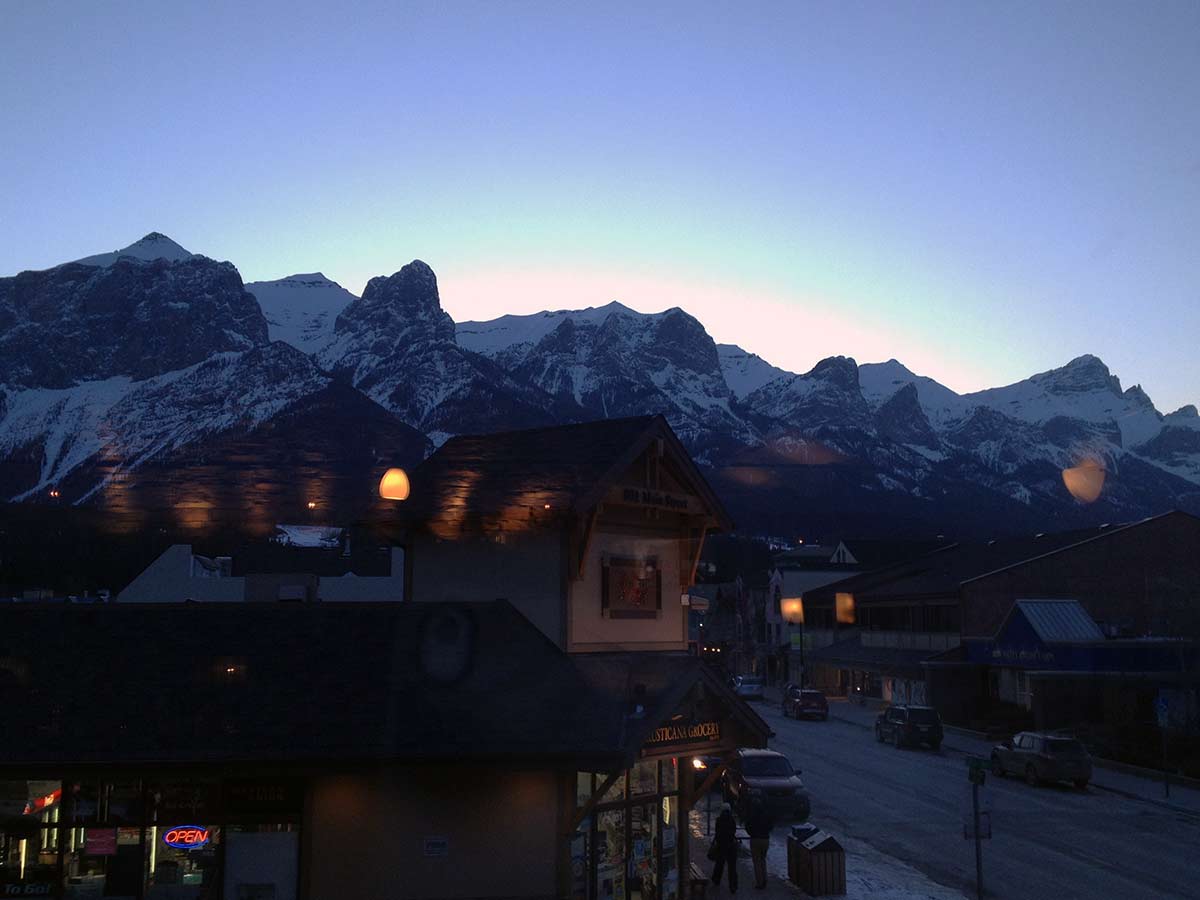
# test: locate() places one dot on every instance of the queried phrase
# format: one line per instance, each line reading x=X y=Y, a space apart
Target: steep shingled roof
x=538 y=475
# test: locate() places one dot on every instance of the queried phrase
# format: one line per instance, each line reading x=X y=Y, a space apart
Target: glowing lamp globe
x=793 y=610
x=394 y=485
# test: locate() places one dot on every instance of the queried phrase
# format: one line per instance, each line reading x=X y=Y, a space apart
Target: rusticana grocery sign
x=694 y=731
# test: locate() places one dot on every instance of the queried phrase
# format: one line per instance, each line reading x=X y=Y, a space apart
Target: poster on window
x=631 y=588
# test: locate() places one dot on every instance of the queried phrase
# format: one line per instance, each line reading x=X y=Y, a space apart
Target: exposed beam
x=586 y=810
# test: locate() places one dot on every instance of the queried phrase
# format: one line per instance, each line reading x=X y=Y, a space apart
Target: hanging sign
x=686 y=733
x=186 y=837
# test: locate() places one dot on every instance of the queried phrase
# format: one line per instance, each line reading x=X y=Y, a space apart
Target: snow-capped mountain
x=154 y=376
x=152 y=246
x=301 y=309
x=139 y=318
x=611 y=361
x=397 y=345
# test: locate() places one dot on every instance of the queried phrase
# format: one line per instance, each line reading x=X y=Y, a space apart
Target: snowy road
x=1048 y=842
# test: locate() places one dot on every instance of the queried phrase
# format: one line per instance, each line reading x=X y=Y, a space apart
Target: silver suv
x=1043 y=757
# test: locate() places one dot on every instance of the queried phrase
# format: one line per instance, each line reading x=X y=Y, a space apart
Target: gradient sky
x=981 y=190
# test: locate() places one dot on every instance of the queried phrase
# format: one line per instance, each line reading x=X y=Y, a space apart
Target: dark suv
x=801 y=703
x=764 y=776
x=912 y=725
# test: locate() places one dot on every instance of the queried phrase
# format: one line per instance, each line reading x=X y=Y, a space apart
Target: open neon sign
x=186 y=837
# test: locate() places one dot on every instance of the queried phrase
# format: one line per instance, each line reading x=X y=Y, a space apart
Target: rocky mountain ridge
x=120 y=362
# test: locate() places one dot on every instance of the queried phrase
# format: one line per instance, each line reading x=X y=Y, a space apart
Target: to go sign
x=185 y=837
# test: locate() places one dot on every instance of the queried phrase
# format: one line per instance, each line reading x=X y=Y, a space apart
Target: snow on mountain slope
x=152 y=246
x=79 y=323
x=301 y=309
x=397 y=345
x=1083 y=389
x=124 y=423
x=745 y=372
x=880 y=381
x=519 y=333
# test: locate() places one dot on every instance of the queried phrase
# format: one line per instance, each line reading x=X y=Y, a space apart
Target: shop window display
x=635 y=835
x=185 y=839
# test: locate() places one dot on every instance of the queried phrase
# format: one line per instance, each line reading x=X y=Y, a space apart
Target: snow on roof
x=321 y=536
x=1060 y=621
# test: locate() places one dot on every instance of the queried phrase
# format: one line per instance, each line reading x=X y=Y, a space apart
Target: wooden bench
x=698 y=883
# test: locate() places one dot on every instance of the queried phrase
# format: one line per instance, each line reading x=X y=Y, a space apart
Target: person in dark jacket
x=725 y=846
x=758 y=825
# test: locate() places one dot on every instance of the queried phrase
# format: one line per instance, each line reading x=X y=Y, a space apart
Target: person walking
x=723 y=851
x=758 y=826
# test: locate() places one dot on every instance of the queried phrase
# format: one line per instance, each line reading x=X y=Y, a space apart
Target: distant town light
x=793 y=610
x=394 y=485
x=312 y=504
x=547 y=506
x=844 y=606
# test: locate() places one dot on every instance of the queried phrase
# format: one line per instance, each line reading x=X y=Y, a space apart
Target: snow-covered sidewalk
x=870 y=874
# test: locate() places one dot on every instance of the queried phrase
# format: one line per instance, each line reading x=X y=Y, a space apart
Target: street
x=1050 y=842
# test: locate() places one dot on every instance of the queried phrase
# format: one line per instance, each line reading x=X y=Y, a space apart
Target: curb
x=1181 y=810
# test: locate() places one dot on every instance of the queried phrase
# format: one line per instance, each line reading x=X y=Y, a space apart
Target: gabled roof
x=540 y=475
x=1057 y=621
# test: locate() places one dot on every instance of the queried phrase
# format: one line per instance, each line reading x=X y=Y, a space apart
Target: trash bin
x=816 y=862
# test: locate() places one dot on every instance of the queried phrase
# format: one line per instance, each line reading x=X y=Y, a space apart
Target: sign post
x=977 y=775
x=1161 y=710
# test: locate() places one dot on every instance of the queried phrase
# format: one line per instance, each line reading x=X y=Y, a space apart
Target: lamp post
x=793 y=611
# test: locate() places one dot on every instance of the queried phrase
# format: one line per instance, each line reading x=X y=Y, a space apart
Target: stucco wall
x=169 y=580
x=526 y=570
x=590 y=630
x=366 y=834
x=366 y=588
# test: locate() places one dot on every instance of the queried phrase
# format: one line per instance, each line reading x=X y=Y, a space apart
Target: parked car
x=911 y=725
x=1043 y=757
x=765 y=776
x=803 y=703
x=748 y=687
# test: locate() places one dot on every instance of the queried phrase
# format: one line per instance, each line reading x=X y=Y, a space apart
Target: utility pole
x=979 y=828
x=978 y=841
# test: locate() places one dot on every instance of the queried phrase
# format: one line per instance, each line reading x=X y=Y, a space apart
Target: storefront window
x=581 y=859
x=643 y=778
x=185 y=839
x=610 y=855
x=670 y=774
x=669 y=878
x=583 y=788
x=28 y=837
x=614 y=793
x=635 y=842
x=643 y=851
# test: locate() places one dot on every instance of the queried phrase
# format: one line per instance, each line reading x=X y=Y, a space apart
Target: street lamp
x=793 y=611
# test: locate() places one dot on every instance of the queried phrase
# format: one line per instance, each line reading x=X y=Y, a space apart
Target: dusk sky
x=980 y=190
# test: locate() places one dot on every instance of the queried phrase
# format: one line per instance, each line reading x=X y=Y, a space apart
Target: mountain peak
x=840 y=370
x=1138 y=396
x=1083 y=373
x=154 y=245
